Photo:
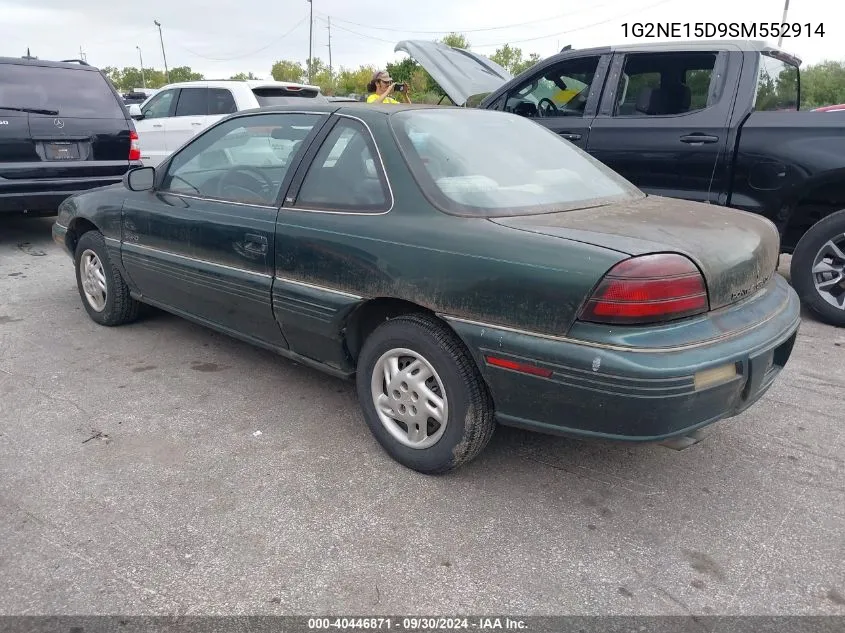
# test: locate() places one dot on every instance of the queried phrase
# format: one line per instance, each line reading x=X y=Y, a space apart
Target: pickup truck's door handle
x=255 y=243
x=569 y=136
x=698 y=139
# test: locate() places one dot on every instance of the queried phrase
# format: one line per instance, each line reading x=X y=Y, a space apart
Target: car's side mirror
x=140 y=179
x=135 y=112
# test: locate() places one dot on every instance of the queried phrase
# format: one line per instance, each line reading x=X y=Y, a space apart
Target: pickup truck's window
x=192 y=102
x=486 y=163
x=242 y=160
x=221 y=101
x=654 y=84
x=777 y=85
x=561 y=90
x=159 y=106
x=344 y=175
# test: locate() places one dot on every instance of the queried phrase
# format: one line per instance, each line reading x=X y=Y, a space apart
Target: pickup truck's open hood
x=461 y=73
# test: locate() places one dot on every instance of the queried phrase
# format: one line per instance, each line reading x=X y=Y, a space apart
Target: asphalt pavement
x=161 y=468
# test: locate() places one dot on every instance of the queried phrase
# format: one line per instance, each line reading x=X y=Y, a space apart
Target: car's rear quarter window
x=71 y=92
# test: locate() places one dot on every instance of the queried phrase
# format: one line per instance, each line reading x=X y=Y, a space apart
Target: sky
x=220 y=38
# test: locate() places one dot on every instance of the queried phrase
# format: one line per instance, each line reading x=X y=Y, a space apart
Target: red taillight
x=648 y=289
x=134 y=146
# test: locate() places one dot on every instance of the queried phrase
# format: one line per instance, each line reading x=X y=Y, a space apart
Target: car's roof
x=31 y=61
x=341 y=107
x=683 y=46
x=226 y=83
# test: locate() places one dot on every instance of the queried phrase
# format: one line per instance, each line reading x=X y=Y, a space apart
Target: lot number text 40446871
x=741 y=30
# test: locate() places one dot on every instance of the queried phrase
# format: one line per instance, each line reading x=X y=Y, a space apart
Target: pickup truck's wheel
x=422 y=395
x=818 y=269
x=104 y=293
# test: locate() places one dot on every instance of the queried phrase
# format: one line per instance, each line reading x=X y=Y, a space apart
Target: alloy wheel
x=410 y=398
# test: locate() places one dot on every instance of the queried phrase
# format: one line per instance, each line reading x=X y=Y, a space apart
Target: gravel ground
x=134 y=480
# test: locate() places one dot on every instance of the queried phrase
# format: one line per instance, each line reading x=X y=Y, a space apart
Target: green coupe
x=465 y=267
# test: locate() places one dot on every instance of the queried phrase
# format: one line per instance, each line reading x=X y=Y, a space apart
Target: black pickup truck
x=711 y=121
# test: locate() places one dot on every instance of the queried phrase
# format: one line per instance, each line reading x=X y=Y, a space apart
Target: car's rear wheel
x=103 y=292
x=422 y=395
x=818 y=269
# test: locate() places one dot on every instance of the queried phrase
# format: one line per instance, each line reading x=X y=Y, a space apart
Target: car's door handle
x=255 y=243
x=569 y=136
x=196 y=123
x=698 y=139
x=157 y=125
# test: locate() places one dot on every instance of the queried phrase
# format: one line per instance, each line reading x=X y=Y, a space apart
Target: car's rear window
x=283 y=96
x=485 y=163
x=71 y=92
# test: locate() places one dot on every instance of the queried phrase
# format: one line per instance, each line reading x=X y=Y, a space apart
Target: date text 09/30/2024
x=418 y=624
x=740 y=30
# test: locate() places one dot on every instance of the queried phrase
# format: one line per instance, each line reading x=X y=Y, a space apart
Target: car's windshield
x=68 y=92
x=483 y=163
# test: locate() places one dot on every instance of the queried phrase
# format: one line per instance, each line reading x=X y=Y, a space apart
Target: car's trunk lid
x=736 y=251
x=460 y=73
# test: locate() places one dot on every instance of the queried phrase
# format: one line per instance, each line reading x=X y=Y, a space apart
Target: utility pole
x=310 y=37
x=141 y=57
x=82 y=54
x=331 y=74
x=161 y=39
x=785 y=9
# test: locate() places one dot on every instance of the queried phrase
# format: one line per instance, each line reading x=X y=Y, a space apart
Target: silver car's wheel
x=410 y=398
x=93 y=279
x=829 y=272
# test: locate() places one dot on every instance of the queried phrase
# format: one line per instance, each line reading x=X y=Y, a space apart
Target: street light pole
x=161 y=39
x=141 y=57
x=310 y=37
x=783 y=21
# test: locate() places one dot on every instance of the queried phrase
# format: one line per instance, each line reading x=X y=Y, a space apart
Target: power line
x=577 y=28
x=489 y=28
x=241 y=56
x=529 y=39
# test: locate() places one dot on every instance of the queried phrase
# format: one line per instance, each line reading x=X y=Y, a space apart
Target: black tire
x=469 y=419
x=120 y=308
x=802 y=264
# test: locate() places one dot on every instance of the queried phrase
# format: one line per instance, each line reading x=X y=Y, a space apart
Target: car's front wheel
x=818 y=269
x=422 y=395
x=104 y=293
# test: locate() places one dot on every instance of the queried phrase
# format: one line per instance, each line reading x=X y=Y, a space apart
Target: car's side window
x=159 y=105
x=777 y=85
x=221 y=101
x=659 y=84
x=242 y=160
x=192 y=102
x=344 y=174
x=560 y=90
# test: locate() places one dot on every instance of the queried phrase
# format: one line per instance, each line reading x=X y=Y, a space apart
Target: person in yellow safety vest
x=381 y=86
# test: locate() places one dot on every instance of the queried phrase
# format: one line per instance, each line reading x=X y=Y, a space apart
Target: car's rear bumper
x=43 y=196
x=637 y=393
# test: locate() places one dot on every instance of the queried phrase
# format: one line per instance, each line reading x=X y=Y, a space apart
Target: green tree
x=507 y=57
x=286 y=70
x=184 y=73
x=455 y=40
x=243 y=77
x=353 y=81
x=525 y=64
x=823 y=84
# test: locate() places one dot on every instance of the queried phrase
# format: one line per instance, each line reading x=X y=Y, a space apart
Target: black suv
x=63 y=129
